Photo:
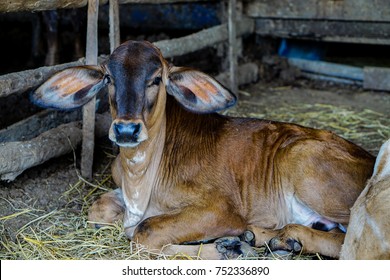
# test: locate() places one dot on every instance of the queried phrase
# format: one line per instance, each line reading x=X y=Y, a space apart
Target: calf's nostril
x=117 y=129
x=136 y=129
x=127 y=131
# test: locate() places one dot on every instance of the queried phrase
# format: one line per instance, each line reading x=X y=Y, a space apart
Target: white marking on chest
x=138 y=158
x=133 y=213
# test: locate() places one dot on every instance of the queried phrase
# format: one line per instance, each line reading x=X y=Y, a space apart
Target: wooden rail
x=43 y=5
x=25 y=80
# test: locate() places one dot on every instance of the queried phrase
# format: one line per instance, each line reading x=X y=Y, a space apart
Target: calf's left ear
x=70 y=88
x=197 y=91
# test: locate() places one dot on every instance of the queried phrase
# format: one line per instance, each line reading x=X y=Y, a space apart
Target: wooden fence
x=16 y=155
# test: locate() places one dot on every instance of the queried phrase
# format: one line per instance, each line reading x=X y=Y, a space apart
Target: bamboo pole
x=89 y=109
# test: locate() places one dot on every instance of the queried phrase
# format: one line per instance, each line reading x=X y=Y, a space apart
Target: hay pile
x=366 y=128
x=65 y=234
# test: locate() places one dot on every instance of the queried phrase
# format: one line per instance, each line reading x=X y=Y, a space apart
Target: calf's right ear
x=70 y=88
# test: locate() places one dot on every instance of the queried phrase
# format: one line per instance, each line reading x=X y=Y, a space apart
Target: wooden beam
x=323 y=30
x=114 y=19
x=328 y=69
x=346 y=10
x=202 y=39
x=19 y=82
x=43 y=5
x=36 y=124
x=232 y=54
x=114 y=25
x=17 y=156
x=89 y=109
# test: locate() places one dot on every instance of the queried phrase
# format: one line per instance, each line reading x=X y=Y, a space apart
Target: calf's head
x=139 y=78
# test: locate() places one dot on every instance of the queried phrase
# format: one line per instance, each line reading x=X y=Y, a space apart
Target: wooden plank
x=43 y=5
x=114 y=25
x=332 y=79
x=327 y=71
x=328 y=68
x=377 y=78
x=357 y=10
x=353 y=32
x=89 y=109
x=232 y=45
x=114 y=19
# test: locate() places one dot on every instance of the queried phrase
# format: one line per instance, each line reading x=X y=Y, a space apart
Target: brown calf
x=187 y=174
x=368 y=235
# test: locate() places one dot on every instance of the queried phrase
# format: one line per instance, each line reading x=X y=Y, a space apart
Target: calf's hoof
x=248 y=237
x=284 y=248
x=233 y=248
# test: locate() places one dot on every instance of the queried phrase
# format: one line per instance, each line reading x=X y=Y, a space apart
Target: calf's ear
x=197 y=91
x=70 y=88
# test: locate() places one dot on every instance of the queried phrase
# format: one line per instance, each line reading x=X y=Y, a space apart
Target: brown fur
x=186 y=176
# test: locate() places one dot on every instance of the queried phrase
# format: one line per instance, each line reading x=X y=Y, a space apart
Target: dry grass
x=366 y=128
x=65 y=234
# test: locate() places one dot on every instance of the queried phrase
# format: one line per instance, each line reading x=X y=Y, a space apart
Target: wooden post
x=89 y=109
x=115 y=37
x=232 y=45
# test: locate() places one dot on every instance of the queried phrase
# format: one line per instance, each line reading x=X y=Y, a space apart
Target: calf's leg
x=108 y=209
x=298 y=238
x=194 y=224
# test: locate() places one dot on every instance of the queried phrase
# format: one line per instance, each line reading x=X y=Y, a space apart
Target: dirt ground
x=56 y=186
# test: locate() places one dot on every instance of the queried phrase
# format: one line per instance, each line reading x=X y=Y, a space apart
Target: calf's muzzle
x=128 y=133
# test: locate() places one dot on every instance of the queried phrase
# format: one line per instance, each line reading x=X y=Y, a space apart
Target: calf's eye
x=106 y=79
x=156 y=81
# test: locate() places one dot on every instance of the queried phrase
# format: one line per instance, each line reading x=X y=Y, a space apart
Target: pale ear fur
x=70 y=88
x=197 y=91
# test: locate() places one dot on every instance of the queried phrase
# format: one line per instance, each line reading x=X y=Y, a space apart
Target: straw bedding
x=31 y=231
